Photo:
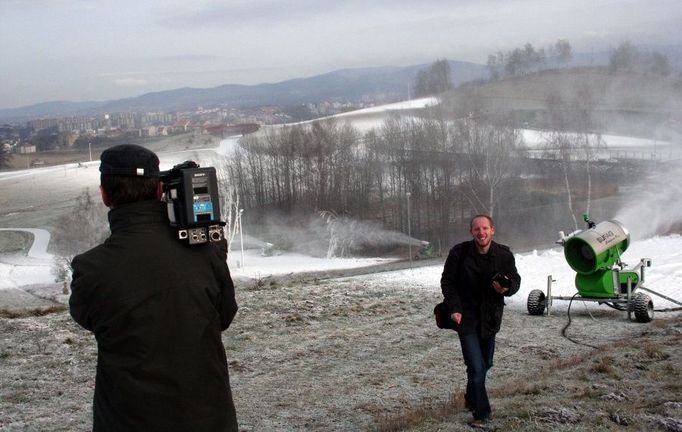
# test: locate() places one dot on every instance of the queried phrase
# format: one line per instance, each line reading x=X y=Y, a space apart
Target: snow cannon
x=425 y=250
x=595 y=255
x=593 y=252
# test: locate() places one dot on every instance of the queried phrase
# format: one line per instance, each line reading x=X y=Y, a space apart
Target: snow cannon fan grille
x=597 y=248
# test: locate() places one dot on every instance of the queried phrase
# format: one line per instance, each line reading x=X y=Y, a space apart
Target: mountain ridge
x=348 y=84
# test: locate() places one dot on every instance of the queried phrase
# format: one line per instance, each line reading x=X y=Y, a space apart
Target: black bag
x=442 y=311
x=443 y=319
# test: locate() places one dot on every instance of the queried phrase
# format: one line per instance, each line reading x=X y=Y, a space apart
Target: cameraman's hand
x=456 y=317
x=499 y=288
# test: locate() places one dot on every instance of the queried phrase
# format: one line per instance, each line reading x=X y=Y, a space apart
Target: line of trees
x=451 y=169
x=520 y=61
x=628 y=58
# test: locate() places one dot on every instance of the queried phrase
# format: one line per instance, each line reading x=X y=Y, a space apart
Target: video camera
x=191 y=194
x=503 y=280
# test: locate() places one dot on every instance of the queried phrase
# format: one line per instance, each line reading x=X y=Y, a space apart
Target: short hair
x=471 y=222
x=126 y=189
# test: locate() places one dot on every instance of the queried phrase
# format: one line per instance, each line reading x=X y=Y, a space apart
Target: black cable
x=669 y=309
x=624 y=308
x=611 y=305
x=563 y=331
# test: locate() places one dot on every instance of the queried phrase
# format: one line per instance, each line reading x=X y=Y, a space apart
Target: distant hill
x=46 y=109
x=380 y=84
x=385 y=84
x=620 y=91
x=634 y=103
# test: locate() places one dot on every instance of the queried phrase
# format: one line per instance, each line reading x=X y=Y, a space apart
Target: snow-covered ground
x=665 y=275
x=366 y=119
x=613 y=146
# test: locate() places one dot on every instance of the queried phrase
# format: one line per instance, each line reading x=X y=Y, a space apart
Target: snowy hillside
x=665 y=275
x=648 y=214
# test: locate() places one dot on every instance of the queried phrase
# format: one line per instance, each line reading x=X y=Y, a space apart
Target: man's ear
x=105 y=197
x=159 y=190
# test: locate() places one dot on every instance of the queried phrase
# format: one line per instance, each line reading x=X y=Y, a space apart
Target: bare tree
x=490 y=149
x=434 y=80
x=495 y=65
x=588 y=141
x=623 y=58
x=563 y=51
x=660 y=64
x=229 y=201
x=4 y=159
x=78 y=231
x=573 y=141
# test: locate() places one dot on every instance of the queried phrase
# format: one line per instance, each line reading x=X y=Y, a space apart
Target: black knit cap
x=129 y=160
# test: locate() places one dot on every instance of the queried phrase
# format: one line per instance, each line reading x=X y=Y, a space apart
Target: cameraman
x=477 y=275
x=157 y=308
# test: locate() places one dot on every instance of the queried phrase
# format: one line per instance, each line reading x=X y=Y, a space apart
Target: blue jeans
x=478 y=358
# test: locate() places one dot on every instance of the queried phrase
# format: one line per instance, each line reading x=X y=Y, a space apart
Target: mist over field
x=654 y=206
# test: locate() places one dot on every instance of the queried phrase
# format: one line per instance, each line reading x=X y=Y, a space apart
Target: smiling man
x=478 y=274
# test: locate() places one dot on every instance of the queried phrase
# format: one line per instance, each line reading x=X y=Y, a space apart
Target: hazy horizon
x=77 y=50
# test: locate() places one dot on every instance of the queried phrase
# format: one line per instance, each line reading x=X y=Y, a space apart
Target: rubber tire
x=536 y=302
x=643 y=308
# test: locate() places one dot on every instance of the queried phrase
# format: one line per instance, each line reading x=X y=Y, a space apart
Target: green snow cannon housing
x=592 y=253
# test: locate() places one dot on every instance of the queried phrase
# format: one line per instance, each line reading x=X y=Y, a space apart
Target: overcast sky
x=82 y=50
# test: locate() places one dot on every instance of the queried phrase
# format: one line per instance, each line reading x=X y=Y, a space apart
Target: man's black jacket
x=466 y=283
x=157 y=308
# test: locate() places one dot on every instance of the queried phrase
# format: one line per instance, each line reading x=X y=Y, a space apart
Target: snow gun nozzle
x=588 y=221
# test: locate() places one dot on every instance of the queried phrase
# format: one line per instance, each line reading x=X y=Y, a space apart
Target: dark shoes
x=483 y=423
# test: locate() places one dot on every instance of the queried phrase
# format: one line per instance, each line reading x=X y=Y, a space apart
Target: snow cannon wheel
x=536 y=302
x=643 y=307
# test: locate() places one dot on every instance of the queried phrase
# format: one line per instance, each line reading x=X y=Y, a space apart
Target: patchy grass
x=39 y=311
x=605 y=365
x=564 y=398
x=352 y=355
x=12 y=242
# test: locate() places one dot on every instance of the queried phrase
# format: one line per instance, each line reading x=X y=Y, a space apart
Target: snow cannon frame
x=594 y=254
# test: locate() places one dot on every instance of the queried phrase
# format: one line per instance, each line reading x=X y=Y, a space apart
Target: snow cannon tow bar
x=594 y=253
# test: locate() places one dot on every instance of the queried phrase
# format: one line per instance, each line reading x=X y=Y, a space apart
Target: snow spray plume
x=655 y=207
x=347 y=235
x=325 y=234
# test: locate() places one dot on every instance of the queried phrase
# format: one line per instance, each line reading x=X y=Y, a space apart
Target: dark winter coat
x=467 y=287
x=157 y=308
